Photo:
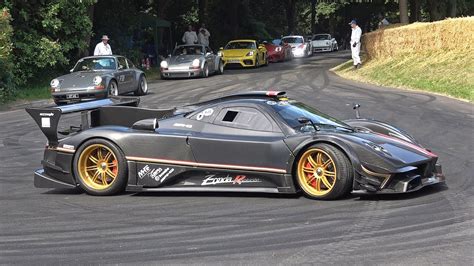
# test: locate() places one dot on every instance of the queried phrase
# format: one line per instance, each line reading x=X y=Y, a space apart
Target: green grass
x=447 y=73
x=33 y=92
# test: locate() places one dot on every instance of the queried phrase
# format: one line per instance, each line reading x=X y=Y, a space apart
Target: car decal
x=210 y=165
x=411 y=145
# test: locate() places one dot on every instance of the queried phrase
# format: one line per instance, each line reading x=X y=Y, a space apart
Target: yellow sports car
x=246 y=53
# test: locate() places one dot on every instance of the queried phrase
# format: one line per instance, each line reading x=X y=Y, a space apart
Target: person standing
x=204 y=35
x=190 y=37
x=355 y=43
x=103 y=48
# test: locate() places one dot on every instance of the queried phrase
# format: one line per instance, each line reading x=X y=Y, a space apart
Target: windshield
x=292 y=40
x=241 y=45
x=189 y=50
x=291 y=111
x=277 y=42
x=95 y=64
x=321 y=37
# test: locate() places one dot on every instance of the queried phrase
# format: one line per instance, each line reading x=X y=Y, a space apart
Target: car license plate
x=72 y=96
x=234 y=61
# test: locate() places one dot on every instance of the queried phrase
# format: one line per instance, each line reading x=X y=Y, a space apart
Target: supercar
x=248 y=142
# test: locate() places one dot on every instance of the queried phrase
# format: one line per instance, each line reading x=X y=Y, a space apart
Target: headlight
x=376 y=147
x=97 y=80
x=54 y=83
x=164 y=64
x=250 y=53
x=220 y=53
x=278 y=49
x=195 y=63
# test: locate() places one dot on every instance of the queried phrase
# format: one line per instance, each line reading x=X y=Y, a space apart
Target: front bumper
x=276 y=57
x=181 y=73
x=247 y=61
x=298 y=52
x=322 y=49
x=80 y=95
x=414 y=180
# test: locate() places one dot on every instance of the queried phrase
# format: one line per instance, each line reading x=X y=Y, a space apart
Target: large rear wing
x=47 y=118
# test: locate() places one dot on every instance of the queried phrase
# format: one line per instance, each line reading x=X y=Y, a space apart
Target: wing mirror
x=146 y=124
x=304 y=121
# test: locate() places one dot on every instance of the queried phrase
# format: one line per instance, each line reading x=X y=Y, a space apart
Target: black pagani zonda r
x=249 y=142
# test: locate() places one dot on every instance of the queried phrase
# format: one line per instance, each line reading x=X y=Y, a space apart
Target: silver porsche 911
x=97 y=77
x=191 y=61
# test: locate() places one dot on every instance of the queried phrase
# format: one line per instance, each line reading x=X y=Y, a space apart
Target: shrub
x=6 y=67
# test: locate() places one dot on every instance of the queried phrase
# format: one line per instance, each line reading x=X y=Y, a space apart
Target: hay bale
x=441 y=36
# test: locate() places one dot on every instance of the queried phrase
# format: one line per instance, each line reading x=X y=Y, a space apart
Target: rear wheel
x=100 y=168
x=142 y=86
x=324 y=172
x=113 y=88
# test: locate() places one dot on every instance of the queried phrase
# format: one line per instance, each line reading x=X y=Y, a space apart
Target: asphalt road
x=433 y=226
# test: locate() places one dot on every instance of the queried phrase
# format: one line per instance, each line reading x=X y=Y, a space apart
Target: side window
x=121 y=63
x=130 y=64
x=244 y=118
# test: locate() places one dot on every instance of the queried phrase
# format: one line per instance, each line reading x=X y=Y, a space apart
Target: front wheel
x=142 y=86
x=100 y=168
x=205 y=71
x=113 y=88
x=324 y=172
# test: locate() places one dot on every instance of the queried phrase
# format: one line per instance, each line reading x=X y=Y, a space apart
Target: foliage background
x=42 y=38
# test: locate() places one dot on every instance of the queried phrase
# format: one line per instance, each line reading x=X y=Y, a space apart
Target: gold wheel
x=98 y=167
x=316 y=172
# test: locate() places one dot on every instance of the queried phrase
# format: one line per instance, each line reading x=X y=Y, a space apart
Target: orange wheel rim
x=316 y=172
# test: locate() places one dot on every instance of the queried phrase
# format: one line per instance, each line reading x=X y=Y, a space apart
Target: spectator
x=355 y=43
x=204 y=35
x=190 y=37
x=103 y=48
x=383 y=22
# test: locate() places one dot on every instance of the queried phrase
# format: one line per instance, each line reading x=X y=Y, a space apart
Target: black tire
x=142 y=86
x=220 y=68
x=88 y=180
x=257 y=62
x=339 y=166
x=205 y=71
x=111 y=90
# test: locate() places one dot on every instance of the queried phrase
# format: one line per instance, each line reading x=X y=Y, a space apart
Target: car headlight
x=164 y=64
x=196 y=63
x=97 y=80
x=249 y=53
x=278 y=49
x=220 y=53
x=54 y=83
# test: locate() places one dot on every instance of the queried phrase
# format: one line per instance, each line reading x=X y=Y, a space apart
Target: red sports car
x=277 y=51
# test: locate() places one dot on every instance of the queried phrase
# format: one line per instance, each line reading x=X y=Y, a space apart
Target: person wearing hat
x=355 y=43
x=103 y=48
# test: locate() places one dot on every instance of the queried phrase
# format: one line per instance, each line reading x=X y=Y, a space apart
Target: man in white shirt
x=355 y=43
x=190 y=36
x=203 y=35
x=103 y=48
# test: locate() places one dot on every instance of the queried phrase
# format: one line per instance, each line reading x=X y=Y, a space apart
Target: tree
x=290 y=8
x=403 y=5
x=7 y=86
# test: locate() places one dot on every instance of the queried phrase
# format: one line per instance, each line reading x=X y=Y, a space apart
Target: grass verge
x=446 y=73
